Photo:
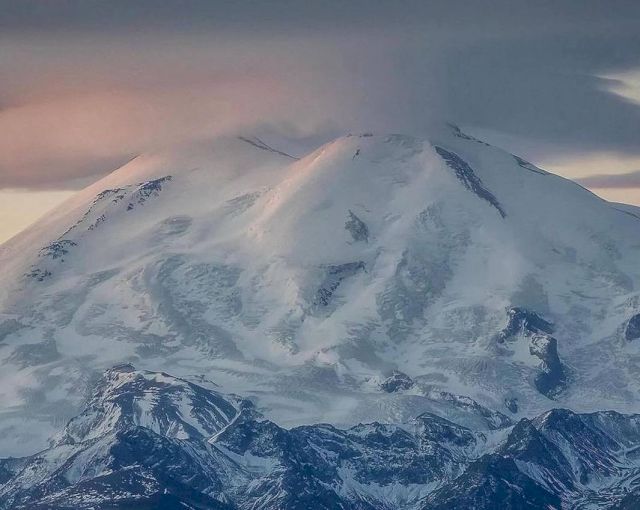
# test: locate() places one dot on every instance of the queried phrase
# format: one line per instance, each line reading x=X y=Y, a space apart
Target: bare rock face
x=552 y=377
x=632 y=331
x=397 y=381
x=522 y=321
x=357 y=228
x=511 y=404
x=527 y=326
x=469 y=179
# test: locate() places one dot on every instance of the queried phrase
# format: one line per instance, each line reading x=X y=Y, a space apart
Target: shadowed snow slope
x=497 y=291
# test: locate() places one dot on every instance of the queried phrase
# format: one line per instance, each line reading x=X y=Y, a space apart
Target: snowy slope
x=481 y=285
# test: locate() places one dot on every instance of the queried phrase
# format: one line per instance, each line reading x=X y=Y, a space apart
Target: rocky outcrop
x=334 y=275
x=469 y=179
x=525 y=322
x=397 y=381
x=552 y=376
x=357 y=228
x=527 y=325
x=632 y=331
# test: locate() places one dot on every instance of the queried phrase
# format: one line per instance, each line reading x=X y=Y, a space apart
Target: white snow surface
x=299 y=283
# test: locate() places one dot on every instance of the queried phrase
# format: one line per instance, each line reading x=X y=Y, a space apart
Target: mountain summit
x=377 y=278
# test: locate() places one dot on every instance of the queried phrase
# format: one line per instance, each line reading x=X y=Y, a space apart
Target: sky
x=88 y=84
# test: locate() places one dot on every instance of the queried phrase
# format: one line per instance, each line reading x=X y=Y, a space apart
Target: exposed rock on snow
x=467 y=176
x=397 y=381
x=357 y=228
x=552 y=377
x=632 y=331
x=523 y=322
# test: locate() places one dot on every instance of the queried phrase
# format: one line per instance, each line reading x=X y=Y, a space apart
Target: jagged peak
x=125 y=397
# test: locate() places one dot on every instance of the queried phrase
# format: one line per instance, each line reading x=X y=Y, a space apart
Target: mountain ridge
x=557 y=460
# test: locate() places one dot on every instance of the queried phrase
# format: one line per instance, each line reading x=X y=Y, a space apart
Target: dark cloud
x=550 y=90
x=291 y=15
x=86 y=83
x=626 y=180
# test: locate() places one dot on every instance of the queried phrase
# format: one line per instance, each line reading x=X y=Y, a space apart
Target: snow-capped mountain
x=375 y=279
x=128 y=459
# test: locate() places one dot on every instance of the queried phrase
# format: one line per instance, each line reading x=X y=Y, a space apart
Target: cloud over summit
x=88 y=84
